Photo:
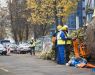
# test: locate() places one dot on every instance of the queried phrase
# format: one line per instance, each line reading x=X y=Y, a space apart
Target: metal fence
x=43 y=43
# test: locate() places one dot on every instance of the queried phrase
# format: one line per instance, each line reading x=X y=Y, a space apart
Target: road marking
x=4 y=69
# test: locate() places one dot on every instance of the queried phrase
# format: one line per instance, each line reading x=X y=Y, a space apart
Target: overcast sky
x=3 y=2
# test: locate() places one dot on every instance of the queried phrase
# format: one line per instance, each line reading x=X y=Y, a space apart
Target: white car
x=23 y=48
x=13 y=47
x=3 y=50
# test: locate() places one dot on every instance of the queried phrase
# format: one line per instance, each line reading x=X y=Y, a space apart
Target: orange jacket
x=80 y=49
x=76 y=50
x=53 y=40
x=84 y=52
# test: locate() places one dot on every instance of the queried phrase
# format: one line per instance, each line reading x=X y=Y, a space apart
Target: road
x=24 y=64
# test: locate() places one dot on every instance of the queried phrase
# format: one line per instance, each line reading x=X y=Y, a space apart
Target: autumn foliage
x=42 y=11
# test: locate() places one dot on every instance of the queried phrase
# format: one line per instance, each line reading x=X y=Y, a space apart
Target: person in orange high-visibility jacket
x=75 y=46
x=54 y=38
x=80 y=49
x=84 y=52
x=54 y=44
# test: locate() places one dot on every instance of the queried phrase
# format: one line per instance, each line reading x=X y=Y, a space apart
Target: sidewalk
x=25 y=64
x=4 y=72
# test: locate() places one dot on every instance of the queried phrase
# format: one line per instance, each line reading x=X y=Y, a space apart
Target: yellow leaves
x=43 y=10
x=68 y=6
x=31 y=4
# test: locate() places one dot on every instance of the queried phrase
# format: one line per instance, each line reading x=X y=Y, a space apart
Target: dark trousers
x=32 y=50
x=54 y=47
x=68 y=51
x=55 y=53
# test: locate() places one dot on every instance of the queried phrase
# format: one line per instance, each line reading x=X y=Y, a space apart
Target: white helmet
x=66 y=27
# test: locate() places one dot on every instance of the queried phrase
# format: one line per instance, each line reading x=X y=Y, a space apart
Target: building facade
x=90 y=6
x=76 y=20
x=82 y=15
x=72 y=22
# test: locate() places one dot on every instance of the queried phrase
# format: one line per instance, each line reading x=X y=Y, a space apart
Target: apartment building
x=82 y=15
x=90 y=6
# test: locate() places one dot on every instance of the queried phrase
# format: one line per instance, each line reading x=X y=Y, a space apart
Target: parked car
x=5 y=43
x=3 y=50
x=13 y=47
x=23 y=48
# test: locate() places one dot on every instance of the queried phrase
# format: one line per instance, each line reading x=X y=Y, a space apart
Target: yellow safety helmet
x=64 y=28
x=59 y=27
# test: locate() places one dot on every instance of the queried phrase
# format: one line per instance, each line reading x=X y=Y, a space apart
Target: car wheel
x=5 y=52
x=2 y=53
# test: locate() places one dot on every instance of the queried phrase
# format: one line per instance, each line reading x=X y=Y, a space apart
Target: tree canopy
x=35 y=17
x=43 y=10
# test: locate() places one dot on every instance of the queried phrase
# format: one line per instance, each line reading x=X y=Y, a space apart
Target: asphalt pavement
x=25 y=64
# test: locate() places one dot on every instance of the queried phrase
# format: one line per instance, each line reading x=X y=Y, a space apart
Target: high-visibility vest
x=32 y=44
x=76 y=50
x=68 y=41
x=84 y=52
x=60 y=41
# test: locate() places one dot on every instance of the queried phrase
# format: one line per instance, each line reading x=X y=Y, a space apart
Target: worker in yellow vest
x=61 y=56
x=68 y=43
x=54 y=41
x=32 y=47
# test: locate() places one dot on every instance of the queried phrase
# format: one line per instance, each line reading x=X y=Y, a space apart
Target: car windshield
x=5 y=41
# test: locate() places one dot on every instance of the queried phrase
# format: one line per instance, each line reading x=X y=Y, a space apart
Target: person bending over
x=79 y=62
